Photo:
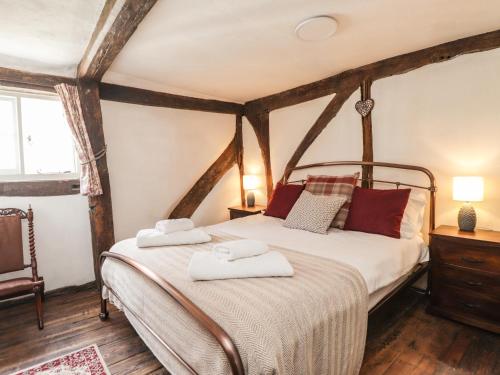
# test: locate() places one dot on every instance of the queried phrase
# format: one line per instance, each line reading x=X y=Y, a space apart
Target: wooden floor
x=402 y=339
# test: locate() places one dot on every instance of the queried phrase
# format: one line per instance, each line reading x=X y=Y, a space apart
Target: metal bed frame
x=214 y=329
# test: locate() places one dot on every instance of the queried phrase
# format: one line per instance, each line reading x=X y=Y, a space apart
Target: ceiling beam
x=97 y=35
x=34 y=81
x=107 y=42
x=381 y=69
x=132 y=95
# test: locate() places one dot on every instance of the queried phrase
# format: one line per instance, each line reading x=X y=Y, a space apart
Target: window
x=35 y=140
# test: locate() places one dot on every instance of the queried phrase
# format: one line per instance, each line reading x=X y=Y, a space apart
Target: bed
x=381 y=260
x=312 y=323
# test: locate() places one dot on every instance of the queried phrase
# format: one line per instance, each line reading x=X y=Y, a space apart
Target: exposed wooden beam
x=134 y=95
x=39 y=188
x=323 y=120
x=239 y=154
x=190 y=202
x=381 y=69
x=100 y=208
x=260 y=124
x=34 y=81
x=106 y=43
x=366 y=122
x=105 y=20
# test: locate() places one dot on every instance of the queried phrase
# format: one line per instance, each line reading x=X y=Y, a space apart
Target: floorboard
x=402 y=339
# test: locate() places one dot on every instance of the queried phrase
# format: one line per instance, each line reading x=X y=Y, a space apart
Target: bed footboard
x=194 y=311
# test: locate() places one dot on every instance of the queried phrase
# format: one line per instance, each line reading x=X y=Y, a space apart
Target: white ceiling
x=46 y=36
x=241 y=50
x=234 y=50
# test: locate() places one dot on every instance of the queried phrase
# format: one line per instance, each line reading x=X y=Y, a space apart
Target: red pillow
x=283 y=199
x=377 y=211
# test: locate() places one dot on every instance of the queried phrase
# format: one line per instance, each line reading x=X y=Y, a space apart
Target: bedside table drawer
x=243 y=211
x=474 y=281
x=482 y=258
x=237 y=214
x=465 y=276
x=466 y=303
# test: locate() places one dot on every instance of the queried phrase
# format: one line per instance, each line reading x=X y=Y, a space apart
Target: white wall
x=155 y=155
x=252 y=160
x=445 y=117
x=62 y=238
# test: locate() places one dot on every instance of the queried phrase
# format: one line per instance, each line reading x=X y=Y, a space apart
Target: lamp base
x=467 y=218
x=250 y=199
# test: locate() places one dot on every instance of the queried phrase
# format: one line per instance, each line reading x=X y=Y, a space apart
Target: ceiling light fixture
x=316 y=28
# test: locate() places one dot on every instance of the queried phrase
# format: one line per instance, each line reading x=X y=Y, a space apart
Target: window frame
x=19 y=174
x=15 y=106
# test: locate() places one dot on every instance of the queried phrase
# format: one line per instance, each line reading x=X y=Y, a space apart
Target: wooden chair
x=12 y=259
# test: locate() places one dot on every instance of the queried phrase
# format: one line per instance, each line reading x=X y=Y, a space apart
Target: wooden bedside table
x=465 y=276
x=242 y=211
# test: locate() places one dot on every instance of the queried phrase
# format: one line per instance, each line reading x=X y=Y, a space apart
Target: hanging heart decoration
x=364 y=107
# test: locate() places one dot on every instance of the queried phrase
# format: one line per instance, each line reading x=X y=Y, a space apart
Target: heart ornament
x=364 y=107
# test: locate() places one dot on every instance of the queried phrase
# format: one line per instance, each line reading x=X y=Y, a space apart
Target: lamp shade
x=250 y=182
x=468 y=188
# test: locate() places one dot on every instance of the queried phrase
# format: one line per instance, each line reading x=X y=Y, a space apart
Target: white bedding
x=312 y=323
x=381 y=260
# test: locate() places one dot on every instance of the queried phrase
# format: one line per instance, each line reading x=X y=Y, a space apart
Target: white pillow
x=413 y=218
x=314 y=213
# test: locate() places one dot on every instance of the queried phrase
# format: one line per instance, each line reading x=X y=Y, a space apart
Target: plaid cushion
x=343 y=186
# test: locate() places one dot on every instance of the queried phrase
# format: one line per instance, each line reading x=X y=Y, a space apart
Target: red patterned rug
x=86 y=361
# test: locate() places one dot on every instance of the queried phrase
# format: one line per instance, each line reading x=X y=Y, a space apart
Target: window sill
x=41 y=188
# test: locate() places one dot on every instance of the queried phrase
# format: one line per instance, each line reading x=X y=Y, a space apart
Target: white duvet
x=381 y=260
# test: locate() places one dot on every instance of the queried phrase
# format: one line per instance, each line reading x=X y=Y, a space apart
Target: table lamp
x=467 y=189
x=250 y=183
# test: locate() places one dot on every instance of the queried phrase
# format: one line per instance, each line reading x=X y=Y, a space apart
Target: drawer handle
x=474 y=283
x=472 y=260
x=470 y=305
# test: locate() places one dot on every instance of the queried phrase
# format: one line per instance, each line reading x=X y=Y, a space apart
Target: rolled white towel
x=152 y=237
x=206 y=266
x=174 y=225
x=232 y=250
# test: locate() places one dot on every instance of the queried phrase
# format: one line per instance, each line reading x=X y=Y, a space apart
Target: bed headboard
x=370 y=180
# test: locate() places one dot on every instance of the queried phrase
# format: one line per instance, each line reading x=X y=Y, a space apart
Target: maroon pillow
x=377 y=211
x=283 y=199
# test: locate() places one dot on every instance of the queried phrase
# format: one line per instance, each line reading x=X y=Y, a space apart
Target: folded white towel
x=206 y=266
x=152 y=237
x=232 y=250
x=174 y=225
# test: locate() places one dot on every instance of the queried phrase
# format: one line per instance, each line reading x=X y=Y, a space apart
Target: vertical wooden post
x=260 y=124
x=367 y=171
x=239 y=154
x=100 y=209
